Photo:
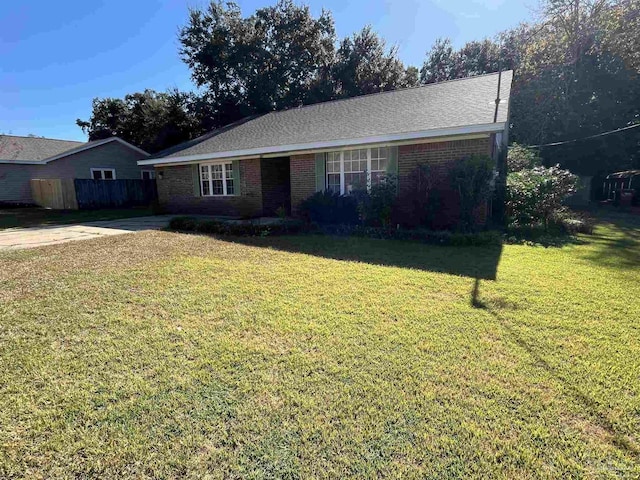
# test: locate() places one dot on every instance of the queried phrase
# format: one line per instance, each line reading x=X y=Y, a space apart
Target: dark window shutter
x=236 y=177
x=321 y=175
x=392 y=168
x=195 y=174
x=393 y=161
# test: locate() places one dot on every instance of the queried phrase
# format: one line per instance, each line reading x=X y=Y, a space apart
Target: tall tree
x=443 y=62
x=151 y=120
x=571 y=83
x=269 y=60
x=365 y=65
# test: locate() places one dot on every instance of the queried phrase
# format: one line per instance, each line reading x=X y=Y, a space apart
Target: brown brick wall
x=303 y=179
x=440 y=157
x=176 y=192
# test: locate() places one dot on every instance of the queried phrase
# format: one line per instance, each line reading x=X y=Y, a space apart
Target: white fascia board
x=330 y=144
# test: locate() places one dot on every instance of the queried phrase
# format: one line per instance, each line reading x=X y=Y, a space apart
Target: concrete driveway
x=19 y=238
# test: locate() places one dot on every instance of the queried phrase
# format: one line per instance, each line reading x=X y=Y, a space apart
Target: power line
x=585 y=138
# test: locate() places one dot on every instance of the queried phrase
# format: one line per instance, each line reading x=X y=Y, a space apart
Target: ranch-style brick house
x=259 y=164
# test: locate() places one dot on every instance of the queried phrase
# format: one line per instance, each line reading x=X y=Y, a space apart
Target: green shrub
x=327 y=207
x=534 y=195
x=433 y=237
x=520 y=157
x=472 y=178
x=244 y=229
x=420 y=204
x=183 y=223
x=375 y=206
x=572 y=222
x=561 y=229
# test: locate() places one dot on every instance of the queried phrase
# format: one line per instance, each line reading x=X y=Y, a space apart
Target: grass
x=35 y=216
x=165 y=355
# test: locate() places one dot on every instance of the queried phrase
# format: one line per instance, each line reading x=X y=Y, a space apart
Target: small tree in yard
x=472 y=177
x=535 y=194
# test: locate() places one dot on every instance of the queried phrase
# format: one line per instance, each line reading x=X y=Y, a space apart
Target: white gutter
x=330 y=144
x=21 y=162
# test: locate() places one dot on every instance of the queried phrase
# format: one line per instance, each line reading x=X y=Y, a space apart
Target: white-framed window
x=216 y=179
x=358 y=169
x=147 y=174
x=103 y=173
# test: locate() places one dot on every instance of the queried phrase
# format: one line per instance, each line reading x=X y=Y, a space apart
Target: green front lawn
x=35 y=216
x=163 y=355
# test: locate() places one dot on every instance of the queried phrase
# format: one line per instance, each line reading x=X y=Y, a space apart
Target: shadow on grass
x=475 y=262
x=590 y=406
x=36 y=216
x=617 y=240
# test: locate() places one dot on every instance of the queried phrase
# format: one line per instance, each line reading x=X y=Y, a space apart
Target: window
x=379 y=164
x=333 y=171
x=351 y=170
x=148 y=174
x=355 y=170
x=103 y=173
x=217 y=179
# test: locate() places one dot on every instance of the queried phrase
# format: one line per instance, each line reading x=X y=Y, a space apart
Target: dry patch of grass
x=163 y=355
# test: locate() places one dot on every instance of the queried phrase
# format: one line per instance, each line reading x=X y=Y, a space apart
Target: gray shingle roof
x=456 y=103
x=33 y=148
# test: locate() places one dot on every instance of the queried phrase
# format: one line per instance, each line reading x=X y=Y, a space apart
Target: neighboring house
x=26 y=158
x=256 y=165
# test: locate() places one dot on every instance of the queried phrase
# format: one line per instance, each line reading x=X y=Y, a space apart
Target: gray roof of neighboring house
x=438 y=106
x=33 y=148
x=23 y=150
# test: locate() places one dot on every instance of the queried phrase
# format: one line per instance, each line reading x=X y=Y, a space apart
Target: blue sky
x=57 y=56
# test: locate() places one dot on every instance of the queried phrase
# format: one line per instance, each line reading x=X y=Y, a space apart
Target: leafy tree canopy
x=267 y=61
x=364 y=65
x=520 y=157
x=151 y=120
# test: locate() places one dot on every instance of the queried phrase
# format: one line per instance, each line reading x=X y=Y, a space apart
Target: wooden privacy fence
x=56 y=193
x=114 y=193
x=77 y=193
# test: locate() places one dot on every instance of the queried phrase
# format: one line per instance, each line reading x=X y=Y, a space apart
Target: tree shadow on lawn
x=618 y=245
x=479 y=262
x=591 y=407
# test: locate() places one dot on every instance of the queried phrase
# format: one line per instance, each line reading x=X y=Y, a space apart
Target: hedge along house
x=26 y=158
x=259 y=164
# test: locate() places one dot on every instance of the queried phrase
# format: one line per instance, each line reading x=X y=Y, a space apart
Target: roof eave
x=315 y=146
x=95 y=144
x=21 y=162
